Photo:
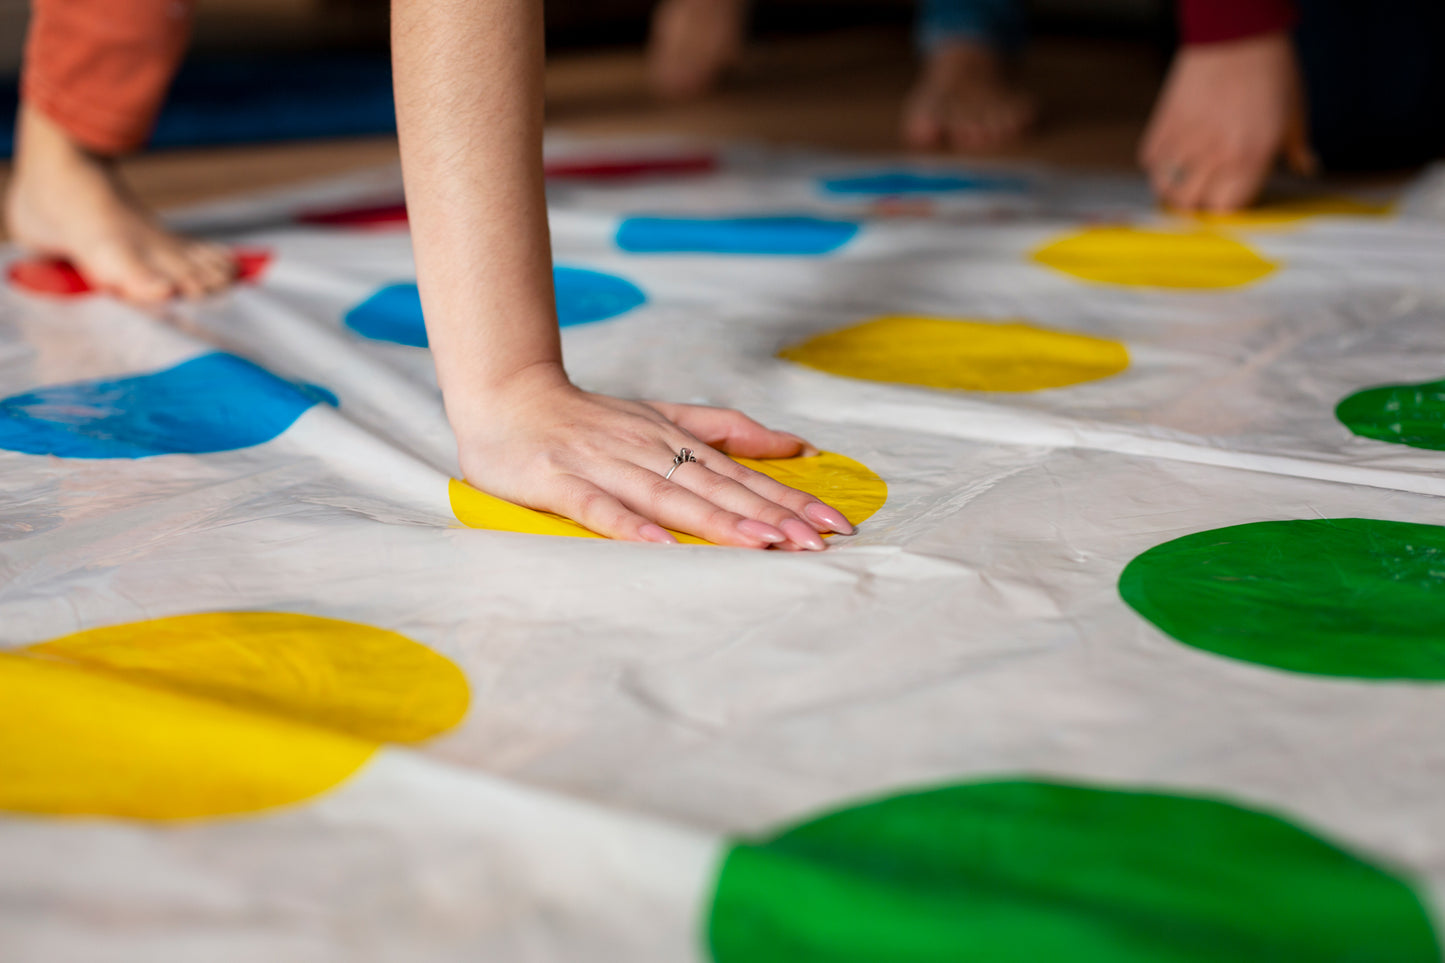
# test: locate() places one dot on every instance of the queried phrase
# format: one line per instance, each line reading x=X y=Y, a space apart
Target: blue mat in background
x=244 y=101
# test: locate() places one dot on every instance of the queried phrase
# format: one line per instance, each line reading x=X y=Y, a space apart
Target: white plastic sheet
x=633 y=707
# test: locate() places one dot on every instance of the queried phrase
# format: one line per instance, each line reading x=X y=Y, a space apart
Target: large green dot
x=1405 y=414
x=1022 y=872
x=1352 y=597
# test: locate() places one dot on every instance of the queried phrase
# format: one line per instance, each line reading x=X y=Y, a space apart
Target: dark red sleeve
x=1216 y=21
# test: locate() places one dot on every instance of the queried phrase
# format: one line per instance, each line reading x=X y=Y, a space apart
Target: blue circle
x=893 y=183
x=799 y=235
x=391 y=314
x=583 y=297
x=217 y=402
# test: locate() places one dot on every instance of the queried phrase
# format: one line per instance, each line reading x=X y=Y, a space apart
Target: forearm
x=469 y=107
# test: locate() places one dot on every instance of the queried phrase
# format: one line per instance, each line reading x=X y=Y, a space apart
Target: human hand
x=541 y=442
x=1226 y=112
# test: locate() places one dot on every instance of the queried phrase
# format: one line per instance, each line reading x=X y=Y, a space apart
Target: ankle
x=964 y=59
x=42 y=145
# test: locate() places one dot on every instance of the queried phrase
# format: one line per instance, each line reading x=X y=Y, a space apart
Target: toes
x=216 y=256
x=173 y=263
x=923 y=122
x=213 y=267
x=143 y=287
x=121 y=270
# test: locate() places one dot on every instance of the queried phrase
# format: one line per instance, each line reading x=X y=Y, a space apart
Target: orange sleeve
x=101 y=68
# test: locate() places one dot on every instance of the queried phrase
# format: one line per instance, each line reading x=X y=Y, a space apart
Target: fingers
x=733 y=495
x=606 y=515
x=736 y=434
x=646 y=493
x=603 y=462
x=1232 y=189
x=733 y=432
x=819 y=514
x=1297 y=153
x=1199 y=178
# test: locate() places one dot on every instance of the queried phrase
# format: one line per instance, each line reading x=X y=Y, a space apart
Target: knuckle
x=588 y=503
x=722 y=518
x=661 y=491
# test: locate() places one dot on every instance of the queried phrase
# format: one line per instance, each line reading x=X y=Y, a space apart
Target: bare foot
x=693 y=42
x=65 y=202
x=964 y=101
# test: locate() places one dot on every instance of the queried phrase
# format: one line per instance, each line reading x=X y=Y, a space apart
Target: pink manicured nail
x=801 y=534
x=656 y=533
x=762 y=531
x=830 y=518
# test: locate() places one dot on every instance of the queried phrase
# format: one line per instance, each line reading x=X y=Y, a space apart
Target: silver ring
x=681 y=458
x=1174 y=174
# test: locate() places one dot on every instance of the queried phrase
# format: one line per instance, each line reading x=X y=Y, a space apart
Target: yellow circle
x=212 y=714
x=1156 y=259
x=961 y=354
x=841 y=482
x=1280 y=213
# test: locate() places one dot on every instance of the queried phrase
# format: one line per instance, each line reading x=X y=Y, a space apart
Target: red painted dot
x=61 y=279
x=382 y=216
x=620 y=168
x=379 y=215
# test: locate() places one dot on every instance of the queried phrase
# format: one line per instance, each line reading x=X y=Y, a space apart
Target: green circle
x=1405 y=414
x=1021 y=872
x=1353 y=597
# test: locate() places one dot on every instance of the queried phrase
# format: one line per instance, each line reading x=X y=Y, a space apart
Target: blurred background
x=280 y=91
x=253 y=26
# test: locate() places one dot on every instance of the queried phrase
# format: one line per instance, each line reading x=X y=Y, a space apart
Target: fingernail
x=762 y=531
x=801 y=534
x=829 y=517
x=656 y=533
x=807 y=448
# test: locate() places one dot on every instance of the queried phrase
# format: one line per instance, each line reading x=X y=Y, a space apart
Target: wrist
x=471 y=397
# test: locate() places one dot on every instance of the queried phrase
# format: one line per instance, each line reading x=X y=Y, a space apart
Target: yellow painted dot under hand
x=961 y=354
x=212 y=714
x=841 y=482
x=1281 y=213
x=1136 y=257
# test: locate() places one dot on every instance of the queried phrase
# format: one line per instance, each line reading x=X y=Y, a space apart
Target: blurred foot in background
x=67 y=203
x=693 y=43
x=95 y=74
x=965 y=101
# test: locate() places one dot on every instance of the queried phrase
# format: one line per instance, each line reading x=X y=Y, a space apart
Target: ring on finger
x=1174 y=174
x=684 y=456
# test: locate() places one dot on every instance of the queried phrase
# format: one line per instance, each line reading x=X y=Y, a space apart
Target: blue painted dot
x=896 y=182
x=587 y=296
x=795 y=235
x=217 y=402
x=583 y=297
x=391 y=314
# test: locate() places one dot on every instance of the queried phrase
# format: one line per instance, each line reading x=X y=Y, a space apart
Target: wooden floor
x=836 y=91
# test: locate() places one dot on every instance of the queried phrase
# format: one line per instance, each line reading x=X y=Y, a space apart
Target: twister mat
x=1137 y=655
